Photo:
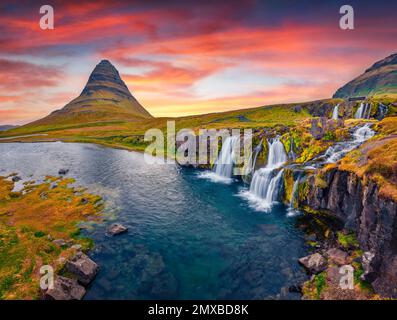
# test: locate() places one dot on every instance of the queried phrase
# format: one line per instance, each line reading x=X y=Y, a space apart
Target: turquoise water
x=189 y=238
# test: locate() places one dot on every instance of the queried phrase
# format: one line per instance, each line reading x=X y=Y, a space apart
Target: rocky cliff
x=358 y=203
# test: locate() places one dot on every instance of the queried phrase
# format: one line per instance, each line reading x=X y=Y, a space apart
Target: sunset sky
x=188 y=57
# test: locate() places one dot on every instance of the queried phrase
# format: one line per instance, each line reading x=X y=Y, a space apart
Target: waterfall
x=291 y=153
x=363 y=112
x=335 y=113
x=382 y=111
x=339 y=150
x=291 y=207
x=252 y=159
x=267 y=182
x=224 y=163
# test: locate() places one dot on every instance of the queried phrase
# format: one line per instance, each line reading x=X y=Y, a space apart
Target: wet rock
x=63 y=171
x=116 y=228
x=83 y=268
x=314 y=263
x=366 y=262
x=65 y=289
x=338 y=256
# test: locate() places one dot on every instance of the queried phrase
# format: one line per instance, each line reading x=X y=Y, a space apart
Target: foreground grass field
x=29 y=222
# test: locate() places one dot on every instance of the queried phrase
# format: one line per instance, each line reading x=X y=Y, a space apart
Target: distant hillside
x=7 y=127
x=381 y=78
x=105 y=97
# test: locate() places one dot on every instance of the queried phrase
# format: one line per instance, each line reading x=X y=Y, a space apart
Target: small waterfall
x=293 y=194
x=267 y=182
x=335 y=113
x=382 y=111
x=223 y=166
x=252 y=159
x=364 y=111
x=291 y=153
x=339 y=150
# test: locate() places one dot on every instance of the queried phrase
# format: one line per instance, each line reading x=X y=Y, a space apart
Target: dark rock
x=295 y=288
x=44 y=196
x=116 y=228
x=65 y=289
x=297 y=109
x=82 y=267
x=63 y=171
x=314 y=263
x=16 y=178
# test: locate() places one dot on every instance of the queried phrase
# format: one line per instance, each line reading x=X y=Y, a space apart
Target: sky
x=188 y=57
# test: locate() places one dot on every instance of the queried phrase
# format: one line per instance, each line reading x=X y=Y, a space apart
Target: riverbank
x=39 y=225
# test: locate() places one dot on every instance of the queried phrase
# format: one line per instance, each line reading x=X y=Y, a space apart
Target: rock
x=314 y=263
x=338 y=256
x=77 y=247
x=116 y=228
x=82 y=267
x=366 y=260
x=44 y=196
x=63 y=171
x=16 y=178
x=65 y=289
x=60 y=242
x=84 y=201
x=49 y=237
x=297 y=108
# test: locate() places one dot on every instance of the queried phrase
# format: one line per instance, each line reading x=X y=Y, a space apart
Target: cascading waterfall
x=360 y=135
x=335 y=113
x=291 y=207
x=252 y=159
x=266 y=182
x=223 y=166
x=363 y=112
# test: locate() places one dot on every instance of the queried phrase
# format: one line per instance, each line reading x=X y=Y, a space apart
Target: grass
x=27 y=220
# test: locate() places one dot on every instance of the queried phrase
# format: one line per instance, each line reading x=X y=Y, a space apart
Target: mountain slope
x=105 y=97
x=381 y=78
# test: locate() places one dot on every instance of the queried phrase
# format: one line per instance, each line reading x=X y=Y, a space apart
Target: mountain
x=105 y=97
x=381 y=78
x=7 y=127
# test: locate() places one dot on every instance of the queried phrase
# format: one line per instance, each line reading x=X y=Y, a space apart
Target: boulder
x=116 y=228
x=82 y=267
x=338 y=256
x=63 y=171
x=314 y=263
x=65 y=289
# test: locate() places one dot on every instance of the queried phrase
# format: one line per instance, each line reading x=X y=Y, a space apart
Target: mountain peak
x=105 y=97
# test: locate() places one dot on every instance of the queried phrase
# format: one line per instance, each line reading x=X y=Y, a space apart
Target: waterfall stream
x=267 y=182
x=364 y=111
x=335 y=113
x=224 y=163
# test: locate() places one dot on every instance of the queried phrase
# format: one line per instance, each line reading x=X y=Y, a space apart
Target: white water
x=223 y=167
x=266 y=182
x=339 y=150
x=291 y=208
x=363 y=112
x=335 y=113
x=252 y=159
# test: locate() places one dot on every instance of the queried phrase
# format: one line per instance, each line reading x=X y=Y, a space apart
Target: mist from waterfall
x=267 y=183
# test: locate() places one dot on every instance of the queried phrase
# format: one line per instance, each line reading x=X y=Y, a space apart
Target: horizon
x=228 y=56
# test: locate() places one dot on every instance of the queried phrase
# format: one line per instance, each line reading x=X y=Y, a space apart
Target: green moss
x=39 y=234
x=320 y=282
x=320 y=182
x=347 y=240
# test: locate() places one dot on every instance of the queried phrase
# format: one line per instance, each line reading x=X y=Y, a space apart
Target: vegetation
x=29 y=221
